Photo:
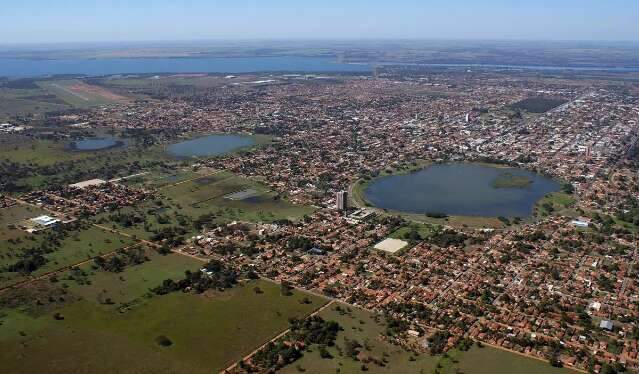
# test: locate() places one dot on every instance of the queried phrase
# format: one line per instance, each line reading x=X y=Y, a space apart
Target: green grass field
x=40 y=152
x=363 y=327
x=556 y=203
x=208 y=333
x=134 y=282
x=207 y=195
x=489 y=360
x=28 y=101
x=13 y=216
x=161 y=178
x=424 y=231
x=79 y=246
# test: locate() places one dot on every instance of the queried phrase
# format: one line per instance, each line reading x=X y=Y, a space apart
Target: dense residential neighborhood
x=560 y=285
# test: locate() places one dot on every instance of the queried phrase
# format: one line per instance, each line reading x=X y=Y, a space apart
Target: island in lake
x=510 y=180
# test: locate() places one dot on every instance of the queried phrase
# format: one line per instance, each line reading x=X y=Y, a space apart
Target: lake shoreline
x=73 y=146
x=358 y=191
x=257 y=140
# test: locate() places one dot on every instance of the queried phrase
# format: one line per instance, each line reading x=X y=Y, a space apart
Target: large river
x=460 y=189
x=109 y=66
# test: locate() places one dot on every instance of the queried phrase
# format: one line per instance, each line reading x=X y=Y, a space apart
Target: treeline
x=121 y=260
x=215 y=275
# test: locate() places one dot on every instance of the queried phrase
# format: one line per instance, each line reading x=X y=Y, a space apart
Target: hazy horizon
x=146 y=21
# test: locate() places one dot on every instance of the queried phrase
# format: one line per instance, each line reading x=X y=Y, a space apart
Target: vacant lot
x=207 y=333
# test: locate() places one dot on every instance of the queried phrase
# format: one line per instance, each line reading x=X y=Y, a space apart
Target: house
x=606 y=325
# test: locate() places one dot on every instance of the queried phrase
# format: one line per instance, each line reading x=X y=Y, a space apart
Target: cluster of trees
x=436 y=215
x=205 y=220
x=121 y=260
x=215 y=275
x=126 y=219
x=171 y=235
x=395 y=326
x=438 y=342
x=631 y=213
x=299 y=242
x=31 y=259
x=275 y=356
x=411 y=310
x=535 y=236
x=312 y=330
x=447 y=238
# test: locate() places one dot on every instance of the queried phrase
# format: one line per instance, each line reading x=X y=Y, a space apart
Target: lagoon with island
x=209 y=145
x=462 y=189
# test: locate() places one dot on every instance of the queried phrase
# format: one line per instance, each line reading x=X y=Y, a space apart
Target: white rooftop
x=89 y=183
x=45 y=220
x=391 y=245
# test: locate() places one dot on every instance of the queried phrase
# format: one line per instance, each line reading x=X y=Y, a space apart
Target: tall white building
x=342 y=200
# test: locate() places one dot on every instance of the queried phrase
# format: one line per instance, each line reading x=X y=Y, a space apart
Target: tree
x=285 y=288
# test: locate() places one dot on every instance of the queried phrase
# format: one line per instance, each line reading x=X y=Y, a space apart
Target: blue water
x=95 y=144
x=29 y=68
x=211 y=145
x=612 y=69
x=459 y=189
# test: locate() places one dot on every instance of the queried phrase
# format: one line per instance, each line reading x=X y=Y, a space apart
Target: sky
x=55 y=21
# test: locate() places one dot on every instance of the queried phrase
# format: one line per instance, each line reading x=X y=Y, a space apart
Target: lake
x=95 y=144
x=109 y=66
x=211 y=145
x=460 y=189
